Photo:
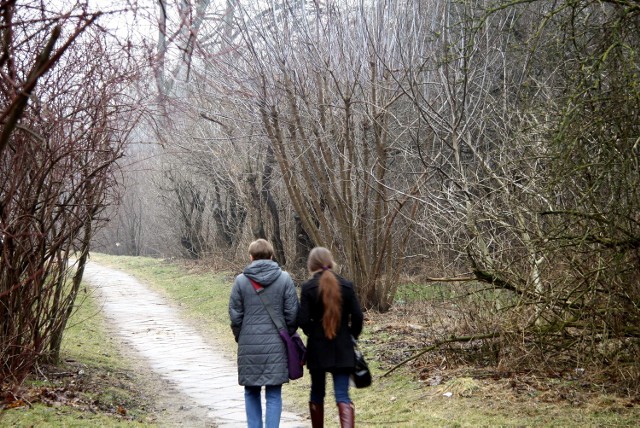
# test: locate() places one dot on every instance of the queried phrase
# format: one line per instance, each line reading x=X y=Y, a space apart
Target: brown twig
x=440 y=343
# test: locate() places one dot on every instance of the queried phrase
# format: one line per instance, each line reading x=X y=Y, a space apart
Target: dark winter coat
x=323 y=353
x=262 y=358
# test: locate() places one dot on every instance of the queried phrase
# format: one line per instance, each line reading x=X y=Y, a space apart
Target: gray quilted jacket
x=262 y=358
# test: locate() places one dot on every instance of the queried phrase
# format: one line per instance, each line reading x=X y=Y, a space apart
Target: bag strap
x=259 y=289
x=355 y=344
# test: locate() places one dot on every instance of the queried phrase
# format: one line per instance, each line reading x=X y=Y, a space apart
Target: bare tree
x=327 y=110
x=524 y=157
x=65 y=119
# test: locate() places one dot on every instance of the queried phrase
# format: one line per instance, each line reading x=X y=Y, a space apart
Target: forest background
x=487 y=148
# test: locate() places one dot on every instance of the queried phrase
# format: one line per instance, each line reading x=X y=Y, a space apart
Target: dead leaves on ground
x=394 y=337
x=73 y=388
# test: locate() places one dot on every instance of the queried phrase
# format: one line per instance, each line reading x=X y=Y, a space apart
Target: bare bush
x=66 y=114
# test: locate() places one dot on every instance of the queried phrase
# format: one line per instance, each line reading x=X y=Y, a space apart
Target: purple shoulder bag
x=296 y=351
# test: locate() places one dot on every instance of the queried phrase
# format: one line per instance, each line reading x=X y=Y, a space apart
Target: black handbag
x=361 y=375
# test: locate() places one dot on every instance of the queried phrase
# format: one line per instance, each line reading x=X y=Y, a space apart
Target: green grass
x=398 y=400
x=95 y=383
x=64 y=416
x=412 y=292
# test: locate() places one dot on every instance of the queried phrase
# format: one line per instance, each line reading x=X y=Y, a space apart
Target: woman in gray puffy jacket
x=262 y=357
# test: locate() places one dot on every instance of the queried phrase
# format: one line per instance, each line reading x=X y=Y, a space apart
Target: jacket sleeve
x=304 y=314
x=357 y=317
x=236 y=309
x=291 y=306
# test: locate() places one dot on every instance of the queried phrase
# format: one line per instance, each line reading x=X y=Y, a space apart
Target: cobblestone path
x=174 y=350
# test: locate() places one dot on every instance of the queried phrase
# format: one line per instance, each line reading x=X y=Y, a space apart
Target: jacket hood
x=264 y=272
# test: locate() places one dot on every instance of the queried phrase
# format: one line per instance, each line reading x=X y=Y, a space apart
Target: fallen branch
x=440 y=343
x=451 y=279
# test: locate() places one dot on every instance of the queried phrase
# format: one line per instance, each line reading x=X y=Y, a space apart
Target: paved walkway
x=173 y=349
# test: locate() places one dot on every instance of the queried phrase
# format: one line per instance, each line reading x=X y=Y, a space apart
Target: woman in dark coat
x=262 y=357
x=331 y=317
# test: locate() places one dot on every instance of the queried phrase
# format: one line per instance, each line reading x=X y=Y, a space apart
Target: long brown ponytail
x=320 y=258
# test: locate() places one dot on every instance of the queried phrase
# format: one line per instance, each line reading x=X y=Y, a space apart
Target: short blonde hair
x=261 y=249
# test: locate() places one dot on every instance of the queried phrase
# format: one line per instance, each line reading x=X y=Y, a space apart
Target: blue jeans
x=253 y=406
x=340 y=385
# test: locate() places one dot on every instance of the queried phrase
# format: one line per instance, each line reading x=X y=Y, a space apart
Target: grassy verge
x=93 y=385
x=398 y=400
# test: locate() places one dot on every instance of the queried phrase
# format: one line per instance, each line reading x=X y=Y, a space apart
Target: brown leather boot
x=347 y=413
x=317 y=414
